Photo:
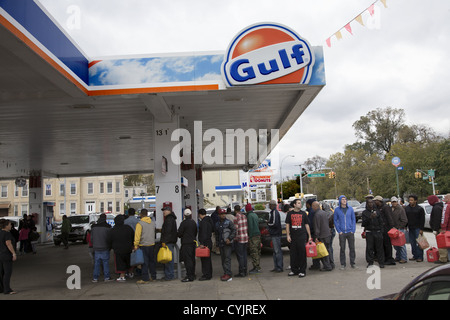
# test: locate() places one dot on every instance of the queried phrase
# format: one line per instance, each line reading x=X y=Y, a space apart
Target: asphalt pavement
x=45 y=275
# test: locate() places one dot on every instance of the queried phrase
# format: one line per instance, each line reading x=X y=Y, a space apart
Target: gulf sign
x=267 y=53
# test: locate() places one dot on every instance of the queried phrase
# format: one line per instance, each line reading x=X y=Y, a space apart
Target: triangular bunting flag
x=360 y=20
x=338 y=35
x=371 y=9
x=329 y=42
x=348 y=28
x=384 y=3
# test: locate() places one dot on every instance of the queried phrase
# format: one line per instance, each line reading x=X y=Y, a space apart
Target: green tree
x=379 y=128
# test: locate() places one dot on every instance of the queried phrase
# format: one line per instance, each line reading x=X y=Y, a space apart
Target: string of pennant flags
x=359 y=18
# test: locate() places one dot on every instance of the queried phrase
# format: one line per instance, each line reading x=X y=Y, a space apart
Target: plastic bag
x=164 y=255
x=422 y=242
x=321 y=250
x=136 y=258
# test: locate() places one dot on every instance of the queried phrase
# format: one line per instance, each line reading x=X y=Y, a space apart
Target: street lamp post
x=281 y=174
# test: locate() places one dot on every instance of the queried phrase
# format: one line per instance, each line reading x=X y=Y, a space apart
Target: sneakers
x=255 y=271
x=300 y=275
x=226 y=277
x=142 y=282
x=121 y=279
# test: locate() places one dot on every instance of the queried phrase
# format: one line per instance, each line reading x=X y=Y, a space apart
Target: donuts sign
x=267 y=53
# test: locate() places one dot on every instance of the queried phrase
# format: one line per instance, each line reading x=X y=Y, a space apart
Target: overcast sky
x=400 y=58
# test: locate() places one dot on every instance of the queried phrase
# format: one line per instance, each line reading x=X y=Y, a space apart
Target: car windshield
x=79 y=219
x=353 y=203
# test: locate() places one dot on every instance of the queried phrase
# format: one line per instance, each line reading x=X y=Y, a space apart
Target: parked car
x=427 y=207
x=266 y=241
x=359 y=210
x=14 y=221
x=433 y=284
x=81 y=226
x=332 y=202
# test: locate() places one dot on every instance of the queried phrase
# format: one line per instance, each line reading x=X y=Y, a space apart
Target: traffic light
x=331 y=175
x=334 y=175
x=418 y=175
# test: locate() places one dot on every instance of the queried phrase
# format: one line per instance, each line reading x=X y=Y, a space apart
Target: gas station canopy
x=66 y=114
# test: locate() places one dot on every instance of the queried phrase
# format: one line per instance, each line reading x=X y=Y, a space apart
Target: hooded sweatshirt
x=344 y=218
x=169 y=229
x=121 y=236
x=145 y=233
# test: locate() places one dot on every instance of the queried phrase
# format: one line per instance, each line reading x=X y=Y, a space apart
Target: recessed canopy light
x=82 y=106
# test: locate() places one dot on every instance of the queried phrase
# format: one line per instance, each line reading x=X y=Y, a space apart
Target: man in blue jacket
x=345 y=224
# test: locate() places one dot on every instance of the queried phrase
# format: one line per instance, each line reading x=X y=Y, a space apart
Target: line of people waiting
x=239 y=232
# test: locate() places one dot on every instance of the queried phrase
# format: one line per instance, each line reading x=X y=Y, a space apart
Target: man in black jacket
x=120 y=239
x=416 y=221
x=169 y=239
x=188 y=233
x=205 y=230
x=386 y=214
x=99 y=239
x=372 y=223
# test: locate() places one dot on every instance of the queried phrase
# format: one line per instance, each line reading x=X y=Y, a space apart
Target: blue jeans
x=241 y=253
x=401 y=251
x=169 y=267
x=277 y=253
x=101 y=258
x=416 y=251
x=149 y=263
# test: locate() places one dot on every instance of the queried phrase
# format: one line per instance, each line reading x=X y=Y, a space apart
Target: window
x=48 y=189
x=62 y=209
x=16 y=210
x=102 y=206
x=73 y=208
x=16 y=191
x=417 y=293
x=25 y=191
x=439 y=290
x=62 y=189
x=90 y=187
x=73 y=188
x=102 y=187
x=109 y=187
x=24 y=208
x=110 y=207
x=117 y=187
x=118 y=206
x=4 y=192
x=126 y=193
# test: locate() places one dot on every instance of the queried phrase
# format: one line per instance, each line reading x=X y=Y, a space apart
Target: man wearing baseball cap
x=188 y=233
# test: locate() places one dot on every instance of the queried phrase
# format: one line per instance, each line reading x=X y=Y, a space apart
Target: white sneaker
x=120 y=279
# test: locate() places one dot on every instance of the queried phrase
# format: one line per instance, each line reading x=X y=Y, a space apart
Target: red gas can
x=432 y=254
x=311 y=250
x=400 y=240
x=443 y=240
x=393 y=233
x=202 y=252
